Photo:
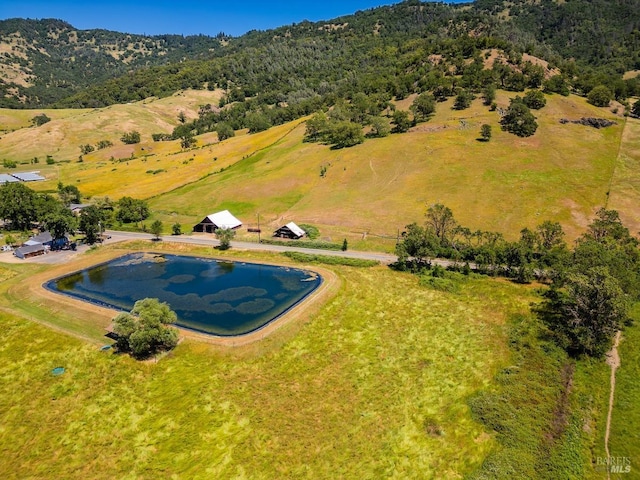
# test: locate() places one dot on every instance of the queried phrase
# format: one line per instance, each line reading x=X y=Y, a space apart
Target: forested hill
x=594 y=32
x=396 y=50
x=43 y=61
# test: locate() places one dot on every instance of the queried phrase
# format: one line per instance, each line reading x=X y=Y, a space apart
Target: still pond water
x=210 y=296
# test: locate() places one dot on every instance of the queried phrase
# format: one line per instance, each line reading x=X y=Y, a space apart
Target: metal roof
x=224 y=219
x=43 y=237
x=4 y=178
x=296 y=229
x=22 y=251
x=28 y=176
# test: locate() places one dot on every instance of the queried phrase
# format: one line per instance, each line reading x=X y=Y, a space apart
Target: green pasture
x=625 y=434
x=373 y=385
x=387 y=379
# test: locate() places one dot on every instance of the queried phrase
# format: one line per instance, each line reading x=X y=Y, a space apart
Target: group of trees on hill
x=352 y=73
x=410 y=47
x=590 y=285
x=22 y=209
x=63 y=60
x=305 y=73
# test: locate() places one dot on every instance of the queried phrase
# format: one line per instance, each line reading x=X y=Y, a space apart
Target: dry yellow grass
x=625 y=183
x=69 y=129
x=561 y=173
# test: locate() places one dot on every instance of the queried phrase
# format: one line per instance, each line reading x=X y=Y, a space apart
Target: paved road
x=118 y=236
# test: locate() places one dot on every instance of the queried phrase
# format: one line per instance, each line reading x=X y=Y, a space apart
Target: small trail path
x=613 y=360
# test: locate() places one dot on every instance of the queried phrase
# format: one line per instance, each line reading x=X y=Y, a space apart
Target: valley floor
x=374 y=384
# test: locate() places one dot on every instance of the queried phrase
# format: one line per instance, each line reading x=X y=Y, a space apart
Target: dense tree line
x=383 y=50
x=23 y=209
x=591 y=285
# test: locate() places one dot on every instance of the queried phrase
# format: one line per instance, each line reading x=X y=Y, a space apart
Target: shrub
x=534 y=99
x=311 y=231
x=519 y=120
x=104 y=144
x=600 y=96
x=463 y=100
x=485 y=132
x=40 y=120
x=86 y=148
x=130 y=138
x=330 y=260
x=225 y=235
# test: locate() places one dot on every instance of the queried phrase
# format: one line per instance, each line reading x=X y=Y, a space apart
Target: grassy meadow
x=561 y=173
x=372 y=385
x=625 y=183
x=625 y=435
x=388 y=378
x=369 y=192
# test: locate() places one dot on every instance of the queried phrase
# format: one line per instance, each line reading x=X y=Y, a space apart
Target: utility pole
x=258 y=227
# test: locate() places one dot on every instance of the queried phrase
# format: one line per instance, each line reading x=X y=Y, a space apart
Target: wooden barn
x=290 y=230
x=215 y=221
x=27 y=251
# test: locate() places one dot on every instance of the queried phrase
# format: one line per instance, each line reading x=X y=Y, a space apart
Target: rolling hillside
x=401 y=371
x=562 y=173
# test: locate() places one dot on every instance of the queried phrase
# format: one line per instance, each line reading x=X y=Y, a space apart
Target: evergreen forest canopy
x=391 y=52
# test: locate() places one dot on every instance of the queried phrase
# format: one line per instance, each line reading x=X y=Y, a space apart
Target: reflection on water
x=222 y=298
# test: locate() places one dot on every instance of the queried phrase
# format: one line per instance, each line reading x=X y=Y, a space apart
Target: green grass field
x=625 y=435
x=378 y=382
x=374 y=385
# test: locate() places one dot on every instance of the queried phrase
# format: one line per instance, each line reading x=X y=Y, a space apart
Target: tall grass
x=625 y=426
x=373 y=385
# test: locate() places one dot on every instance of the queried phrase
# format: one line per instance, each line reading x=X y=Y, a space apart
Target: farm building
x=47 y=241
x=43 y=238
x=215 y=221
x=290 y=230
x=20 y=177
x=76 y=208
x=27 y=251
x=28 y=176
x=5 y=178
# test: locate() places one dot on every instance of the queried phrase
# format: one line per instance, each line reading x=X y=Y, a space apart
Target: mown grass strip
x=330 y=260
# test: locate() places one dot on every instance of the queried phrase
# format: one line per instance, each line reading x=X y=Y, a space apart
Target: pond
x=210 y=296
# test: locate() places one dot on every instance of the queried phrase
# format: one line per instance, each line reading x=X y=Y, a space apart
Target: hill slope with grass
x=562 y=173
